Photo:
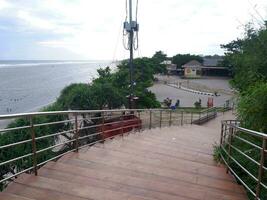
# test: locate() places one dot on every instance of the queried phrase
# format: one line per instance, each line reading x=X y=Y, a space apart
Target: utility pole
x=131 y=27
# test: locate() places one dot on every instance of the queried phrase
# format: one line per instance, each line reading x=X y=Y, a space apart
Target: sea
x=27 y=86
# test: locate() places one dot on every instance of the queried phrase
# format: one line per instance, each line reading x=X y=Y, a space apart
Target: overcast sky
x=91 y=29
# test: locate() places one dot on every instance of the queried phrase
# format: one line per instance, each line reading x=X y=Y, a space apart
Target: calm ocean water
x=27 y=86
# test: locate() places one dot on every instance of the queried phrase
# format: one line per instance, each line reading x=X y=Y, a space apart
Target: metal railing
x=244 y=153
x=33 y=139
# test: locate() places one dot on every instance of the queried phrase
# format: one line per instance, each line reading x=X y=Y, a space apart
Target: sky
x=92 y=29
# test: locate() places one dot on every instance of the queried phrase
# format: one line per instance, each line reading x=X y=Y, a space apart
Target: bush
x=252 y=107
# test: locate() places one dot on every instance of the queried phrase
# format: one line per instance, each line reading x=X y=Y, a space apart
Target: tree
x=159 y=56
x=252 y=107
x=247 y=58
x=77 y=97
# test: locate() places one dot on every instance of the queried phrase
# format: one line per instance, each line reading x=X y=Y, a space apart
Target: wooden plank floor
x=173 y=163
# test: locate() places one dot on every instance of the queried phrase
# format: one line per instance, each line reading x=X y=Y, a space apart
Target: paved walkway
x=173 y=163
x=187 y=99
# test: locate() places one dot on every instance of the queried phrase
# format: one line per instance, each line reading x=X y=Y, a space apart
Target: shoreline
x=5 y=122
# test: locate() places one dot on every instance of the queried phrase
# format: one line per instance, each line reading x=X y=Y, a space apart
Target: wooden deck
x=166 y=164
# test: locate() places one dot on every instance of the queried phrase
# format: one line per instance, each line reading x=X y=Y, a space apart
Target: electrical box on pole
x=131 y=29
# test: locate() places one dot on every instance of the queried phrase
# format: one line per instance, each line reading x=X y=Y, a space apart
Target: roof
x=192 y=63
x=166 y=62
x=211 y=62
x=172 y=67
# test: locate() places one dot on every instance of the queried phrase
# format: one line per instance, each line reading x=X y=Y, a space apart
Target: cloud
x=4 y=4
x=92 y=29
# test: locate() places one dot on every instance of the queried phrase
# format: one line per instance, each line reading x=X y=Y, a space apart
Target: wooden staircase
x=174 y=163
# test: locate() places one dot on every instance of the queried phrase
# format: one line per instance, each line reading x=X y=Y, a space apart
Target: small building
x=211 y=66
x=171 y=68
x=192 y=69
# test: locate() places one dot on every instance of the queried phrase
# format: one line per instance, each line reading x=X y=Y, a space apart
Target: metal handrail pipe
x=51 y=147
x=14 y=129
x=248 y=157
x=53 y=123
x=110 y=123
x=15 y=144
x=251 y=132
x=263 y=185
x=15 y=159
x=243 y=168
x=98 y=141
x=56 y=157
x=54 y=134
x=248 y=142
x=233 y=172
x=15 y=175
x=10 y=116
x=87 y=136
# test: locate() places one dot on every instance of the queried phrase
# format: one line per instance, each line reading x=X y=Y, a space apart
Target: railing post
x=150 y=119
x=122 y=124
x=199 y=117
x=261 y=169
x=170 y=120
x=225 y=131
x=222 y=132
x=139 y=117
x=34 y=149
x=160 y=118
x=182 y=118
x=76 y=133
x=102 y=124
x=229 y=147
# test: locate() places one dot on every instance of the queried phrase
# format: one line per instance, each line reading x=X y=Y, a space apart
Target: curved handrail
x=230 y=131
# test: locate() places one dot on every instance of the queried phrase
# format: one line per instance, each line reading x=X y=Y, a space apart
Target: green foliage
x=14 y=136
x=252 y=107
x=181 y=59
x=159 y=56
x=147 y=99
x=197 y=104
x=157 y=59
x=77 y=97
x=217 y=153
x=247 y=58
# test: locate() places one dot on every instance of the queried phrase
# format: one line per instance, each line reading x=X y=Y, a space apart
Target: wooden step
x=62 y=171
x=149 y=176
x=174 y=143
x=110 y=185
x=171 y=162
x=143 y=167
x=167 y=151
x=37 y=193
x=75 y=189
x=8 y=196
